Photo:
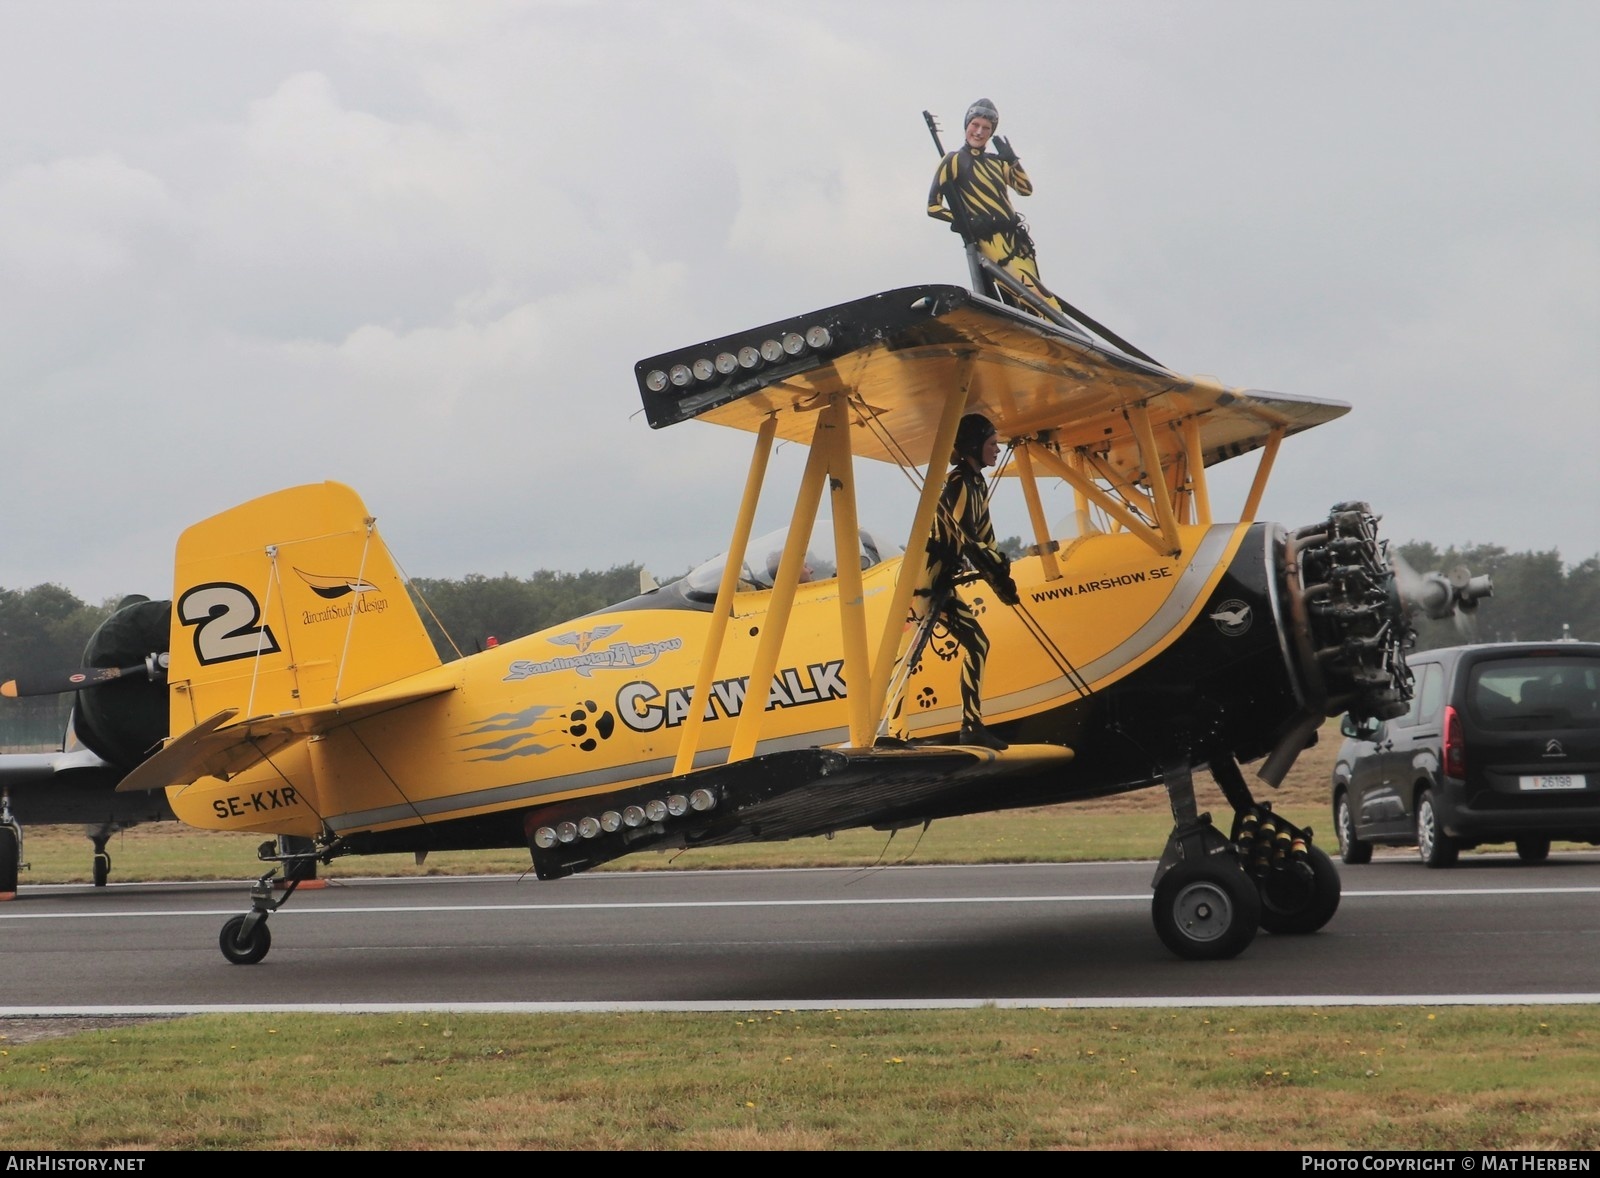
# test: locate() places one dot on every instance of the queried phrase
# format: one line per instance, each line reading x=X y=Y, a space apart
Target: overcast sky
x=418 y=247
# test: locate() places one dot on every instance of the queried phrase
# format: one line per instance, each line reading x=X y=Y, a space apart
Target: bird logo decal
x=335 y=587
x=1232 y=617
x=584 y=639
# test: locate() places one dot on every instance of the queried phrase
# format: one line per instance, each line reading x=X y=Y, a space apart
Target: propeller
x=153 y=668
x=1455 y=596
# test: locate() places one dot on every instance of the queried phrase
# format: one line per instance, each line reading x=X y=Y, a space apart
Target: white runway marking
x=1314 y=1000
x=621 y=906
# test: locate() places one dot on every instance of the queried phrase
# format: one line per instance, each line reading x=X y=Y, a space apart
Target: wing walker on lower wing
x=791 y=687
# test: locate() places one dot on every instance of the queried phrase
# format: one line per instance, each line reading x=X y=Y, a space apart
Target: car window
x=1429 y=694
x=1536 y=693
x=1424 y=696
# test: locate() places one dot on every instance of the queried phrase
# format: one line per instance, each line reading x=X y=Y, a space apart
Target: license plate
x=1553 y=781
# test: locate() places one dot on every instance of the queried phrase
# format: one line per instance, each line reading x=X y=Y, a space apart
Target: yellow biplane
x=305 y=701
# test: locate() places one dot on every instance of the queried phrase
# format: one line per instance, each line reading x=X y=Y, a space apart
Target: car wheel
x=1351 y=849
x=1294 y=902
x=1434 y=846
x=1533 y=849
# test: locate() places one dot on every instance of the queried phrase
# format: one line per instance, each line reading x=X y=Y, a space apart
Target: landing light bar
x=609 y=822
x=712 y=364
x=771 y=350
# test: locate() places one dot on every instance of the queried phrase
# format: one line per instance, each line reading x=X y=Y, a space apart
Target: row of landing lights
x=655 y=810
x=770 y=351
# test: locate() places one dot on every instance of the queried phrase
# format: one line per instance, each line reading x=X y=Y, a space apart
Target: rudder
x=287 y=602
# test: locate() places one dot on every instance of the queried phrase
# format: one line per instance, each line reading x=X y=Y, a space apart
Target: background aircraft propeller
x=154 y=668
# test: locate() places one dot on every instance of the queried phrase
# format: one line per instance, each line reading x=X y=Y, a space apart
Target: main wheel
x=1351 y=849
x=102 y=869
x=10 y=858
x=1434 y=847
x=1207 y=911
x=1291 y=903
x=1533 y=849
x=243 y=950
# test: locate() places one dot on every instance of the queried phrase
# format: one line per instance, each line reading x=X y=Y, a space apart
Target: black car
x=1501 y=744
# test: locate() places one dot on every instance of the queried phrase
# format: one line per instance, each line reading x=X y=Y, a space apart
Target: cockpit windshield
x=763 y=553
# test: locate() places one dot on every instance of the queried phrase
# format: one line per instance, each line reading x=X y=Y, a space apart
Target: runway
x=1491 y=931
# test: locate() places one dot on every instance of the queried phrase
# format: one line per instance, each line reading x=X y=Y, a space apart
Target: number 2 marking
x=225 y=618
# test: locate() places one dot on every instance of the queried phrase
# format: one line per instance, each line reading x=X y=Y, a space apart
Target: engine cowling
x=122 y=722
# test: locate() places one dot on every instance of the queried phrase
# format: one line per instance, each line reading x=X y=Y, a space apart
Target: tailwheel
x=244 y=940
x=1207 y=909
x=1301 y=897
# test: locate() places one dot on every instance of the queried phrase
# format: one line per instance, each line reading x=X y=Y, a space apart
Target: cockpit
x=764 y=552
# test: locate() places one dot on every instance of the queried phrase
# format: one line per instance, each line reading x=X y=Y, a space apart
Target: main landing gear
x=1212 y=892
x=102 y=860
x=245 y=940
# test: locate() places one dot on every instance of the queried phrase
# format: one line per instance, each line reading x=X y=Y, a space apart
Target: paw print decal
x=943 y=643
x=927 y=698
x=587 y=725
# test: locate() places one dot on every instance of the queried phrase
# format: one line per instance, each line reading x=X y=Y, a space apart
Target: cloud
x=418 y=248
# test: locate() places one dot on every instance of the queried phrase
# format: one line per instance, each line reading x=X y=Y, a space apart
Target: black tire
x=10 y=858
x=244 y=952
x=102 y=869
x=1207 y=911
x=1292 y=904
x=1434 y=847
x=1351 y=849
x=1533 y=849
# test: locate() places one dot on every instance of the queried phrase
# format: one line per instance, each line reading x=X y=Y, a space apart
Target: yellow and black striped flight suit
x=962 y=529
x=969 y=191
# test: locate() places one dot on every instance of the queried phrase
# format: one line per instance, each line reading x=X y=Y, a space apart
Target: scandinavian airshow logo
x=368 y=598
x=619 y=656
x=1232 y=617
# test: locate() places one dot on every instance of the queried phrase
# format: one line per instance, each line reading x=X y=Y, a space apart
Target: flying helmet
x=975 y=429
x=982 y=109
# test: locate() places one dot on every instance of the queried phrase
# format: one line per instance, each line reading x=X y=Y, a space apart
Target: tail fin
x=288 y=602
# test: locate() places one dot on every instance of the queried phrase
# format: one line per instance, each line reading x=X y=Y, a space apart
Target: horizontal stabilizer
x=215 y=748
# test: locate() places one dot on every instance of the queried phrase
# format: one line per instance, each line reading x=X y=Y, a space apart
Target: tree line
x=46 y=628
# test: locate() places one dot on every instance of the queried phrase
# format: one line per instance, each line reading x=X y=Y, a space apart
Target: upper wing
x=898 y=354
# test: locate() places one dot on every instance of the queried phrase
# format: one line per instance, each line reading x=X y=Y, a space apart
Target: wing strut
x=1258 y=487
x=784 y=583
x=916 y=558
x=1106 y=503
x=835 y=432
x=689 y=739
x=1041 y=529
x=1160 y=491
x=1197 y=471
